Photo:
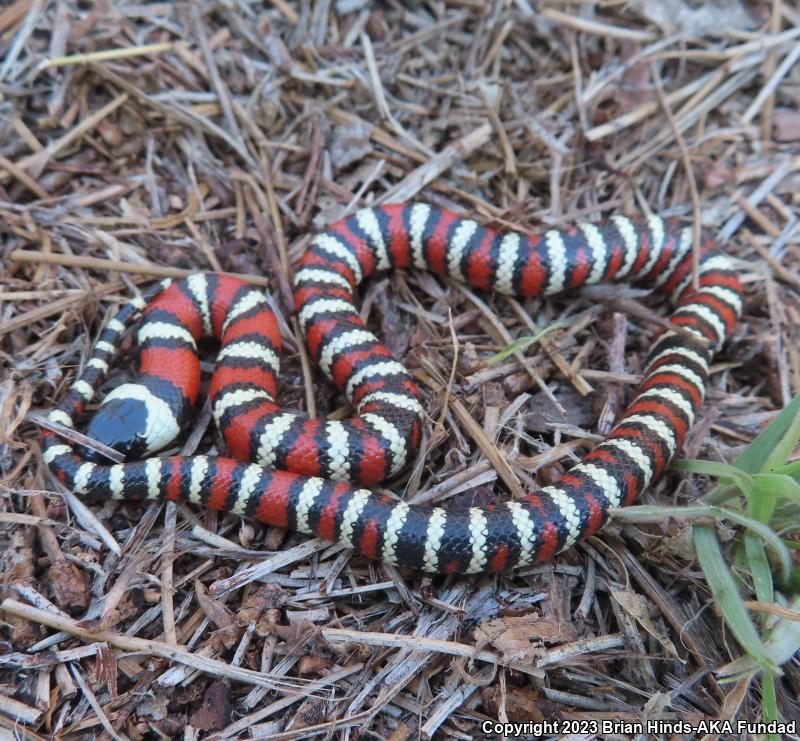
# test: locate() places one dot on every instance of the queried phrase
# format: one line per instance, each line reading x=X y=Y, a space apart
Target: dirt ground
x=217 y=136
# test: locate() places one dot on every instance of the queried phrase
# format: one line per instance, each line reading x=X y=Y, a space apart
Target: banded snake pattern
x=309 y=474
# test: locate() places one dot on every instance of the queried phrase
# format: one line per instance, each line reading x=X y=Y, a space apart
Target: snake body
x=307 y=474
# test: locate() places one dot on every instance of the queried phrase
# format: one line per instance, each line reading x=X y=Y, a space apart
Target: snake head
x=133 y=421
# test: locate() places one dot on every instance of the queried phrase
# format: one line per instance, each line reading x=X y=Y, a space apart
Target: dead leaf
x=639 y=609
x=678 y=545
x=521 y=705
x=216 y=710
x=215 y=611
x=69 y=585
x=154 y=708
x=522 y=637
x=543 y=415
x=312 y=665
x=350 y=143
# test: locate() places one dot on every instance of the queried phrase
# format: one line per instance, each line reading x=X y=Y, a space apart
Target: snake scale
x=309 y=475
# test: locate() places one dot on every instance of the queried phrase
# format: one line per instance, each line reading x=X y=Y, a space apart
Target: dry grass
x=217 y=136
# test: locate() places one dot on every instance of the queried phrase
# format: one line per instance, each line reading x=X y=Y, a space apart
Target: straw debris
x=144 y=140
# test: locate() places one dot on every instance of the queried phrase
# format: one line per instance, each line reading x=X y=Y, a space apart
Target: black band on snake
x=306 y=474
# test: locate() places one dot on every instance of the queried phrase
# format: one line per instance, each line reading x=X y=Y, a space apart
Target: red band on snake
x=305 y=473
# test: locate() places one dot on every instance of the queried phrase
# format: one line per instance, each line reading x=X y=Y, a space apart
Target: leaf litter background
x=221 y=137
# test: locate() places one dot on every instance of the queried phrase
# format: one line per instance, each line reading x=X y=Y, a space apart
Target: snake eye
x=121 y=424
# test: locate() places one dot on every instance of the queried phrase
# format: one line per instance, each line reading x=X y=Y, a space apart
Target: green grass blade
x=651 y=513
x=758 y=452
x=773 y=489
x=776 y=485
x=788 y=442
x=792 y=469
x=723 y=587
x=522 y=342
x=759 y=568
x=720 y=471
x=769 y=703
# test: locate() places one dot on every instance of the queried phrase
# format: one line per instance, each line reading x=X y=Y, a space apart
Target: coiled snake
x=306 y=473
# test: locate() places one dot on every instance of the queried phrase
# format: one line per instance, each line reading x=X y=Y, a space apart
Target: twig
x=767 y=186
x=106 y=55
x=103 y=265
x=142 y=645
x=439 y=163
x=92 y=700
x=39 y=159
x=595 y=27
x=687 y=166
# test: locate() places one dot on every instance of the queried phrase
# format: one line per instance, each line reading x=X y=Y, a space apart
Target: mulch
x=143 y=140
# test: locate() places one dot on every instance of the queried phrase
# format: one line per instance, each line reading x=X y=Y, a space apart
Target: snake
x=312 y=476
